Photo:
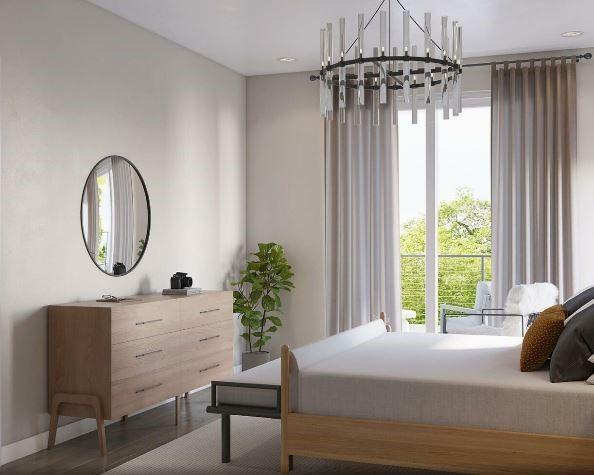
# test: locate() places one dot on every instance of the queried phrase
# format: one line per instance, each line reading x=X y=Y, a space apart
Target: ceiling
x=249 y=36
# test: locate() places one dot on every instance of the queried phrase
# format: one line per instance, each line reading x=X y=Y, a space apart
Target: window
x=464 y=211
x=411 y=150
x=464 y=190
x=105 y=244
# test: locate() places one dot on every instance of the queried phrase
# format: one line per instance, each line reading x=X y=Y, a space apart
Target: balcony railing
x=458 y=275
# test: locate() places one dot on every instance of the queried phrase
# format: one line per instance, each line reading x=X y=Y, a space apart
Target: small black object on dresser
x=181 y=280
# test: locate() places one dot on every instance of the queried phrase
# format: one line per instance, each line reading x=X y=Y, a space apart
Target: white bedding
x=453 y=380
x=269 y=373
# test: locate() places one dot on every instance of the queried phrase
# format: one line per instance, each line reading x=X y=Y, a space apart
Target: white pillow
x=590 y=380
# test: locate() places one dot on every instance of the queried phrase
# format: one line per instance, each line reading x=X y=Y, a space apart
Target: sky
x=464 y=158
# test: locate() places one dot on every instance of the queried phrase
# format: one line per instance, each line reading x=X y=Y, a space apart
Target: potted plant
x=257 y=300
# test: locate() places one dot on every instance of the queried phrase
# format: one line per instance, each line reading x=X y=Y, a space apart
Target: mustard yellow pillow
x=541 y=338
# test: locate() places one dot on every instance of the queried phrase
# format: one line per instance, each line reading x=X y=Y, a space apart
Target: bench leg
x=290 y=462
x=225 y=438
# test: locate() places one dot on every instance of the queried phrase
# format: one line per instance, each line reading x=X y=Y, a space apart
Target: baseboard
x=22 y=448
x=38 y=442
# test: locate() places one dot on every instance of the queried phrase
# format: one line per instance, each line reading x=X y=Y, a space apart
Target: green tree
x=464 y=227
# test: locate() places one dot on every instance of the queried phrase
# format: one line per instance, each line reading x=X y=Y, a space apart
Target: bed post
x=285 y=391
x=388 y=326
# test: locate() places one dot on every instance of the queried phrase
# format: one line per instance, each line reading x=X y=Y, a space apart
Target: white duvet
x=453 y=380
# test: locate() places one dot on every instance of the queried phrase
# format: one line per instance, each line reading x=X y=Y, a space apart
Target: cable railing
x=458 y=275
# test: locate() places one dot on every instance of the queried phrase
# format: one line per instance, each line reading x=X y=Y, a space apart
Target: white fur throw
x=524 y=300
x=531 y=298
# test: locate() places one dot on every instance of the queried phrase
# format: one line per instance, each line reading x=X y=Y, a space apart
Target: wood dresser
x=107 y=360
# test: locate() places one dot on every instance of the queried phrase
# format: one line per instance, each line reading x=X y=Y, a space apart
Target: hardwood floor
x=125 y=441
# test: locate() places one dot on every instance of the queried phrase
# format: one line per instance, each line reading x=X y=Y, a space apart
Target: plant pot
x=253 y=359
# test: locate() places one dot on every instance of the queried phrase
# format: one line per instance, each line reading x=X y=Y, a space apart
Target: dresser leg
x=225 y=438
x=81 y=399
x=53 y=424
x=101 y=436
x=124 y=419
x=93 y=401
x=187 y=395
x=177 y=409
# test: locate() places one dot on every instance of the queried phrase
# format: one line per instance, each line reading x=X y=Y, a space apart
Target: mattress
x=270 y=373
x=452 y=380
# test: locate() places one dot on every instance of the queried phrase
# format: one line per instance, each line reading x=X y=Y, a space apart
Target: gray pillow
x=577 y=301
x=576 y=344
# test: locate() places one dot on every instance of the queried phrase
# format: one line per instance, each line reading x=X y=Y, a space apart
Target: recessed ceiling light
x=286 y=59
x=571 y=34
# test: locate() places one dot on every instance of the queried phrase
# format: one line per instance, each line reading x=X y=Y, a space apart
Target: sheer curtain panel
x=533 y=161
x=123 y=213
x=362 y=222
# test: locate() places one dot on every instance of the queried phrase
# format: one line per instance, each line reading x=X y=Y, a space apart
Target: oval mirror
x=115 y=215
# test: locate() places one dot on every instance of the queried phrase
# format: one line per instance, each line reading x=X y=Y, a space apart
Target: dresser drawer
x=136 y=357
x=204 y=340
x=132 y=322
x=206 y=309
x=200 y=372
x=138 y=392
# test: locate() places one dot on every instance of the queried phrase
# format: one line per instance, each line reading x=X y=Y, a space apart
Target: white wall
x=285 y=193
x=286 y=180
x=78 y=84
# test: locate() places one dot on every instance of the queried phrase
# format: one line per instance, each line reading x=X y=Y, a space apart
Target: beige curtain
x=362 y=224
x=533 y=159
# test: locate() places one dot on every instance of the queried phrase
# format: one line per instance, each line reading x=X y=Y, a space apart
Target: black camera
x=119 y=269
x=181 y=280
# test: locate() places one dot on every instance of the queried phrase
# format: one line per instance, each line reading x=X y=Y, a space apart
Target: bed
x=447 y=402
x=450 y=380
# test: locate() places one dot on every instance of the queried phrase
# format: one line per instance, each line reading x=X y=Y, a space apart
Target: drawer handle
x=210 y=367
x=148 y=388
x=148 y=353
x=211 y=310
x=150 y=321
x=209 y=338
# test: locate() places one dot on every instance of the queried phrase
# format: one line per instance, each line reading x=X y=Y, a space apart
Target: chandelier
x=398 y=74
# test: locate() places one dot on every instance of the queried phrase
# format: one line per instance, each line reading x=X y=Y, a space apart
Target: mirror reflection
x=115 y=215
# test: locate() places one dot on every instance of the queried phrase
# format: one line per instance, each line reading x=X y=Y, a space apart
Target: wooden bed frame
x=423 y=446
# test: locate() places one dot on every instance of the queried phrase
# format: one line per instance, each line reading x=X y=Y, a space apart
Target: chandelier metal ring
x=452 y=67
x=382 y=72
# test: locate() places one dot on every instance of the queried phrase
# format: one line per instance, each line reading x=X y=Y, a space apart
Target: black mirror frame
x=148 y=207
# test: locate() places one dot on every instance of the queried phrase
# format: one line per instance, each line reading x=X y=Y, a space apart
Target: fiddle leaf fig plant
x=257 y=299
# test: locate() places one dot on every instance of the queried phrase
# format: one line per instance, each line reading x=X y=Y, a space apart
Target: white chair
x=406 y=316
x=522 y=303
x=473 y=321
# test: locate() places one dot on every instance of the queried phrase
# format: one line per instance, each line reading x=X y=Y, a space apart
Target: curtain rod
x=529 y=60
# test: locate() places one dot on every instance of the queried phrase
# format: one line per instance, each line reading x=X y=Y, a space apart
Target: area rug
x=255 y=449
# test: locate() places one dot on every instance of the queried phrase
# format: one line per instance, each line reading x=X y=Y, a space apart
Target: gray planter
x=253 y=359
